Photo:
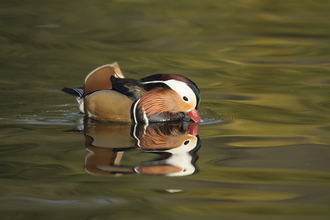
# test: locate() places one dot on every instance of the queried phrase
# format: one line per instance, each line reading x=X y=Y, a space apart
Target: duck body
x=108 y=96
x=119 y=107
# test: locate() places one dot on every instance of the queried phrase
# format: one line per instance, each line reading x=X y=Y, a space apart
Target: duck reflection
x=176 y=146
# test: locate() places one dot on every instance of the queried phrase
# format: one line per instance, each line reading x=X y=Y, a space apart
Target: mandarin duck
x=108 y=96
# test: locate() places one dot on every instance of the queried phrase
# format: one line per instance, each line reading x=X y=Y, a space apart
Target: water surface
x=263 y=71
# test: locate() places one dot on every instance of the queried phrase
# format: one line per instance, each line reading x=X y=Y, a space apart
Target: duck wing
x=99 y=79
x=129 y=87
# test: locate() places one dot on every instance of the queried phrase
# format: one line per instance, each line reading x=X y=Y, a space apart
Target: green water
x=263 y=71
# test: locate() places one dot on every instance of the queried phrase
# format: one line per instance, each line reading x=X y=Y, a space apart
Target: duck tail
x=76 y=92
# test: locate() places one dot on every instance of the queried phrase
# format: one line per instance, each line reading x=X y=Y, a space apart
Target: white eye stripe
x=180 y=87
x=183 y=89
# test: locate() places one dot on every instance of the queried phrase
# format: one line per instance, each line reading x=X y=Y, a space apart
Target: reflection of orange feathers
x=155 y=138
x=160 y=169
x=159 y=101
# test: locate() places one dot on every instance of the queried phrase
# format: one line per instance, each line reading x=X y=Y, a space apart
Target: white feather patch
x=181 y=88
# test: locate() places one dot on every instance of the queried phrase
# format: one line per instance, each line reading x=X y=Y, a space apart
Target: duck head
x=168 y=97
x=171 y=95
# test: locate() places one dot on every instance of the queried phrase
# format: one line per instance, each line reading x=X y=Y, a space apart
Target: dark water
x=263 y=71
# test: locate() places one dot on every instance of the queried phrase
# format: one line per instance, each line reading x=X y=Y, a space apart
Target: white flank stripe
x=145 y=117
x=137 y=139
x=134 y=111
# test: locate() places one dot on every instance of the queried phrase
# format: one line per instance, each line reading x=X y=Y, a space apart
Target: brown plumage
x=159 y=101
x=115 y=106
x=99 y=78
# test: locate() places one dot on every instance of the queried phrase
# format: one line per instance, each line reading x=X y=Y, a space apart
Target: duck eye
x=186 y=142
x=185 y=98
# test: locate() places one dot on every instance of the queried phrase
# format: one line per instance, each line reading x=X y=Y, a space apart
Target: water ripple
x=85 y=202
